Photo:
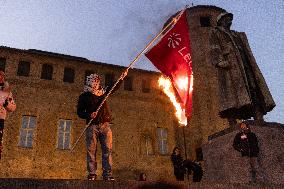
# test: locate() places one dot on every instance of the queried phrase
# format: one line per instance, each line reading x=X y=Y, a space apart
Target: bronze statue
x=243 y=90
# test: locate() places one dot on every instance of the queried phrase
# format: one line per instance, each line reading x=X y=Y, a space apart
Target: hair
x=246 y=123
x=175 y=149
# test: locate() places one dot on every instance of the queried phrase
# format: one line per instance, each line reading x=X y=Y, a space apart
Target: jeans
x=256 y=170
x=102 y=133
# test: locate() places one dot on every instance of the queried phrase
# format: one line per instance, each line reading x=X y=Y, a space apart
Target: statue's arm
x=216 y=52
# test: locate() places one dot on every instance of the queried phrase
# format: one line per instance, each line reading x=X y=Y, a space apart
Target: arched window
x=147 y=145
x=128 y=83
x=145 y=86
x=23 y=68
x=69 y=75
x=205 y=21
x=46 y=72
x=109 y=79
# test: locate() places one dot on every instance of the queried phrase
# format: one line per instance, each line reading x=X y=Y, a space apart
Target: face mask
x=93 y=85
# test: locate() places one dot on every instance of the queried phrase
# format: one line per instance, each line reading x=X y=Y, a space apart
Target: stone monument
x=243 y=94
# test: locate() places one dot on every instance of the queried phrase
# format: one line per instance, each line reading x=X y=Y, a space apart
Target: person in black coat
x=246 y=142
x=177 y=162
x=195 y=167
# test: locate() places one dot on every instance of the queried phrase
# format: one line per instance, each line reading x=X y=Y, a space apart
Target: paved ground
x=77 y=184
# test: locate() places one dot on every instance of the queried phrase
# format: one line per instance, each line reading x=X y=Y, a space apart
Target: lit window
x=64 y=134
x=46 y=72
x=148 y=142
x=162 y=134
x=69 y=75
x=27 y=131
x=23 y=68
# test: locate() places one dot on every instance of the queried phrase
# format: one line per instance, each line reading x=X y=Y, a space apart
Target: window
x=205 y=21
x=64 y=133
x=2 y=64
x=46 y=72
x=27 y=131
x=109 y=80
x=69 y=75
x=162 y=134
x=148 y=148
x=23 y=68
x=145 y=86
x=128 y=83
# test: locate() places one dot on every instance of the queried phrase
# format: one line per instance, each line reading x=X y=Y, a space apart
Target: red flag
x=172 y=56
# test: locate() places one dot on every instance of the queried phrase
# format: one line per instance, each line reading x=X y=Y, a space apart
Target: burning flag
x=172 y=56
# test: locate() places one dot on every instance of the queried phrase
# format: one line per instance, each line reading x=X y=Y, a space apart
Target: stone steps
x=22 y=183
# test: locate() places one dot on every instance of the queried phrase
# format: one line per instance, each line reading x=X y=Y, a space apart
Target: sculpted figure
x=242 y=89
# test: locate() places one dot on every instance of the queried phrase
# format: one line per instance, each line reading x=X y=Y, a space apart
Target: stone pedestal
x=224 y=164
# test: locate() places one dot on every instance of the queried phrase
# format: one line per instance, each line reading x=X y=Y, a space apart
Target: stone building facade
x=39 y=134
x=46 y=87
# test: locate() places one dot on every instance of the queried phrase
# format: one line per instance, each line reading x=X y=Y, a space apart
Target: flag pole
x=174 y=20
x=184 y=142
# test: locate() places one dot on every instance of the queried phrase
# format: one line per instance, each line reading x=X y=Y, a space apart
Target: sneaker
x=92 y=177
x=108 y=179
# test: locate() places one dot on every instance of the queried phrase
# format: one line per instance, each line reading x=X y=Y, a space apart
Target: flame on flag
x=167 y=87
x=172 y=56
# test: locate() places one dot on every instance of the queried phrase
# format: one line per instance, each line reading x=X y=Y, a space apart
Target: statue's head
x=225 y=19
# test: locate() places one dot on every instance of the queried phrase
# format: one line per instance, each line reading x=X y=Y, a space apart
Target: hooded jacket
x=248 y=145
x=89 y=103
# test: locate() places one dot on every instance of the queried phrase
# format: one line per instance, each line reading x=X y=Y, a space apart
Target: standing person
x=7 y=103
x=99 y=128
x=142 y=177
x=246 y=142
x=243 y=90
x=195 y=167
x=177 y=162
